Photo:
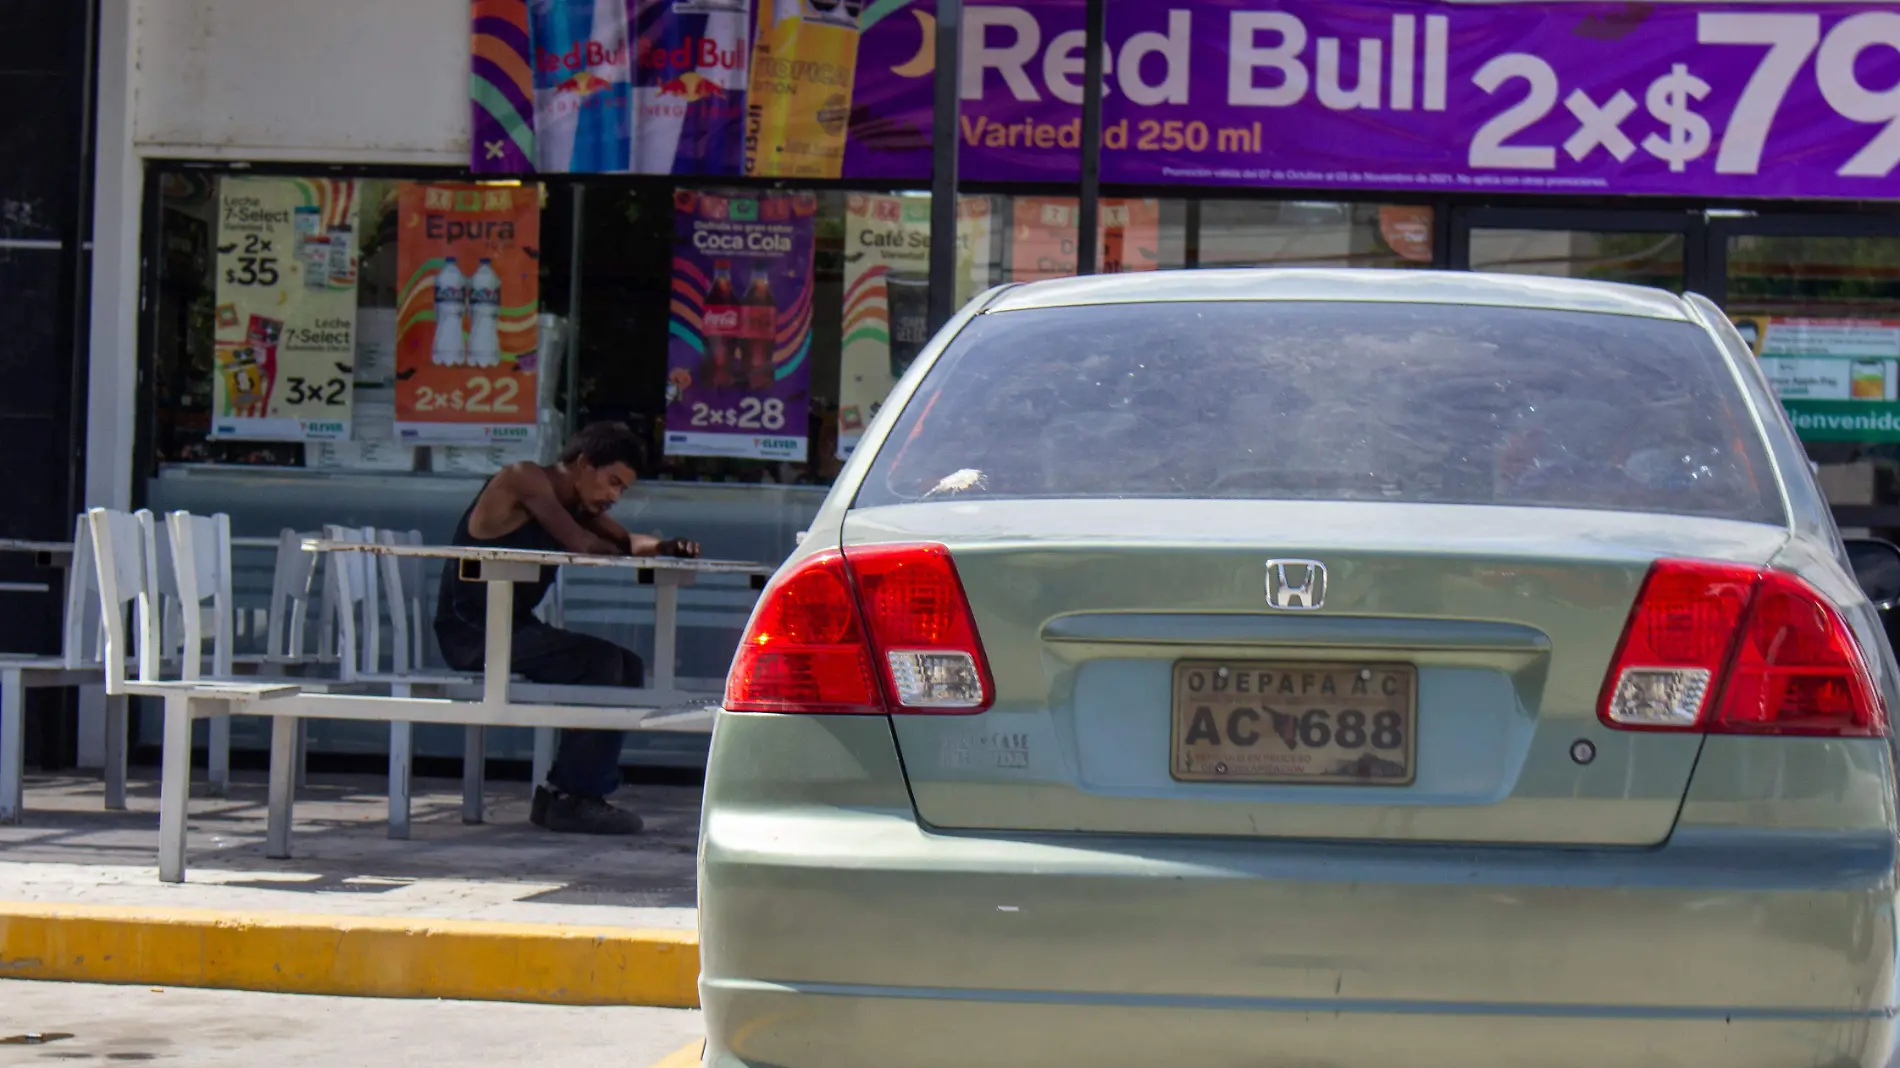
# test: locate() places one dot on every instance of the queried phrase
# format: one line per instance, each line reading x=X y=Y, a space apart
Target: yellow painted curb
x=357 y=956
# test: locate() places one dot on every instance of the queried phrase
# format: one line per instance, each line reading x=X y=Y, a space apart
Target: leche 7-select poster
x=286 y=309
x=466 y=333
x=738 y=379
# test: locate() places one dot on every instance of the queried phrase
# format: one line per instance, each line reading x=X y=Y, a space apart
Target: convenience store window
x=1299 y=233
x=619 y=300
x=1822 y=313
x=628 y=299
x=297 y=323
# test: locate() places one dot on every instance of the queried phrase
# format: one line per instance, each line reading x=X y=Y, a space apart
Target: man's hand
x=648 y=545
x=680 y=547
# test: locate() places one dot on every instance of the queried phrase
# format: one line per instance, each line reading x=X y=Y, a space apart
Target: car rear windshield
x=1331 y=401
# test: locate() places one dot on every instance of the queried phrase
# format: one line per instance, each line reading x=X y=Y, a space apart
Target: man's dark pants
x=586 y=763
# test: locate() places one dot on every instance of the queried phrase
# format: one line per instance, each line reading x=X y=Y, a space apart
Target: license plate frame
x=1251 y=729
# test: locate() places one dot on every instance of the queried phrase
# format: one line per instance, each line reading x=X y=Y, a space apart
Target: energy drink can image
x=582 y=95
x=798 y=110
x=689 y=77
x=1868 y=380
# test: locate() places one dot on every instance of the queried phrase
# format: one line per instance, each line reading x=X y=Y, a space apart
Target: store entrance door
x=1819 y=299
x=1659 y=249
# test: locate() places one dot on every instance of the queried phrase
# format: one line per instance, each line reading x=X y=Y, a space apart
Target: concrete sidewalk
x=500 y=910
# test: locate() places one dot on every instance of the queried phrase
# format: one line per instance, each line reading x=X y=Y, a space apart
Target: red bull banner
x=738 y=378
x=286 y=310
x=1744 y=98
x=466 y=329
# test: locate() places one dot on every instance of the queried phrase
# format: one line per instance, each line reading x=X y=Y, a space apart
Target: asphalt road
x=50 y=1023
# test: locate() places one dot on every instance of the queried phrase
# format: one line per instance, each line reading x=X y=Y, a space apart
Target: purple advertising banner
x=1708 y=99
x=738 y=377
x=1745 y=100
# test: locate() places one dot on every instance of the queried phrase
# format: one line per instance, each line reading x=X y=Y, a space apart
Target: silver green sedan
x=1311 y=669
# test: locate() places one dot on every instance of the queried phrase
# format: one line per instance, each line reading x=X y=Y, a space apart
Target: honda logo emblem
x=1296 y=585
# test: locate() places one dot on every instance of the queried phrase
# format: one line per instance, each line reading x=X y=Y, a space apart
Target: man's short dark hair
x=602 y=444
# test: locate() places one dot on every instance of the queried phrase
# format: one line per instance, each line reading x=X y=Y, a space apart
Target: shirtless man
x=559 y=508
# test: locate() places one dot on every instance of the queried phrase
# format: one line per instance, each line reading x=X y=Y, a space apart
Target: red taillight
x=805 y=649
x=879 y=628
x=1736 y=650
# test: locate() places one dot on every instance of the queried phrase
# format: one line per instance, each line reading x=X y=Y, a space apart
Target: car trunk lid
x=1501 y=621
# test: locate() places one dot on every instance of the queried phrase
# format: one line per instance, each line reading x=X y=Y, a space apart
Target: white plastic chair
x=124 y=551
x=78 y=663
x=199 y=563
x=289 y=601
x=400 y=581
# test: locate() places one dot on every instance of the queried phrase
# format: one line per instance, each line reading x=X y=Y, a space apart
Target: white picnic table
x=500 y=568
x=53 y=554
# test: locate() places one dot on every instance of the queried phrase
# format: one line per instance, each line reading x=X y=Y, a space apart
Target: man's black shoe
x=572 y=814
x=538 y=809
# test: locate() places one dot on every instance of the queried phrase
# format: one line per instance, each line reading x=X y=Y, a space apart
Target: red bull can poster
x=690 y=68
x=738 y=379
x=583 y=114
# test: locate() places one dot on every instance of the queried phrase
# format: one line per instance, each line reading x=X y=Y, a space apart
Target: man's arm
x=604 y=525
x=529 y=484
x=641 y=544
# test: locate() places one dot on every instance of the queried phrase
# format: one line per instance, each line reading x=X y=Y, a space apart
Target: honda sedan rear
x=1310 y=668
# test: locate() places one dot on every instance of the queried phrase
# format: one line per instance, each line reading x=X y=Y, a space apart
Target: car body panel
x=1510 y=614
x=1747 y=922
x=837 y=931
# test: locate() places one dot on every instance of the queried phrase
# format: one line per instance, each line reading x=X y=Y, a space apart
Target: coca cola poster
x=738 y=379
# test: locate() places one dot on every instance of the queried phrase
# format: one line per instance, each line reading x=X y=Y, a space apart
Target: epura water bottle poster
x=466 y=344
x=738 y=380
x=286 y=309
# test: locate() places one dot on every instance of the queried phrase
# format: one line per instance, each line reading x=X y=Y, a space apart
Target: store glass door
x=1640 y=248
x=1819 y=300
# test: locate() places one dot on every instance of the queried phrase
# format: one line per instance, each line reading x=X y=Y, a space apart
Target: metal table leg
x=116 y=744
x=283 y=785
x=12 y=744
x=174 y=790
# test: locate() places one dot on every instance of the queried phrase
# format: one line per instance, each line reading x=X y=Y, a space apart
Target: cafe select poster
x=887 y=294
x=286 y=309
x=738 y=379
x=466 y=333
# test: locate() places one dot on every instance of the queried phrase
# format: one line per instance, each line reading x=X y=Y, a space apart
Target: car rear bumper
x=756 y=1027
x=838 y=932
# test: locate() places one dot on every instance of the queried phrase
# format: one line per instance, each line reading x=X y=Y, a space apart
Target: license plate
x=1295 y=722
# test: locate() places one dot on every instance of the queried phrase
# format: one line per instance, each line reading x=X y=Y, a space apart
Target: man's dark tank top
x=467 y=602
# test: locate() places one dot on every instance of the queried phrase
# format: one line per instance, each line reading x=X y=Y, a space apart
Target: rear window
x=1331 y=401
